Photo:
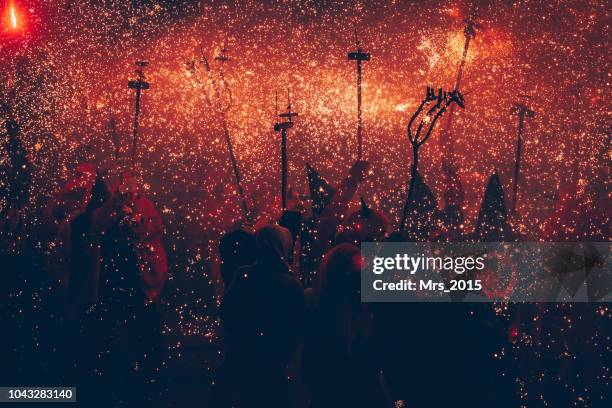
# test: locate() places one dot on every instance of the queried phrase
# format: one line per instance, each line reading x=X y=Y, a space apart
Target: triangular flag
x=320 y=191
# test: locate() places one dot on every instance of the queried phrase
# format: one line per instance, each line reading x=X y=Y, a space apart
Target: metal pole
x=138 y=85
x=522 y=111
x=517 y=165
x=221 y=111
x=359 y=134
x=444 y=140
x=359 y=56
x=282 y=128
x=234 y=162
x=135 y=134
x=284 y=168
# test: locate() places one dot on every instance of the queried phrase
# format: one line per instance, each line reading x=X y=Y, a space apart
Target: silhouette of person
x=236 y=249
x=263 y=317
x=121 y=335
x=363 y=225
x=333 y=215
x=339 y=363
x=492 y=223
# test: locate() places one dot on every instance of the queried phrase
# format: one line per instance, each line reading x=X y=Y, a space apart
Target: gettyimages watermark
x=486 y=272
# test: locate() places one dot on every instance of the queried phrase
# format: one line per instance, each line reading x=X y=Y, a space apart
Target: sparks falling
x=68 y=86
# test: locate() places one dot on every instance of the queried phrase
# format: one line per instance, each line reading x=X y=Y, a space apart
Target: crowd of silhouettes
x=291 y=305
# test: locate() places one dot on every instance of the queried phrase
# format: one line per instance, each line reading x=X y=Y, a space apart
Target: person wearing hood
x=236 y=249
x=340 y=363
x=363 y=225
x=333 y=214
x=64 y=231
x=492 y=223
x=263 y=317
x=133 y=268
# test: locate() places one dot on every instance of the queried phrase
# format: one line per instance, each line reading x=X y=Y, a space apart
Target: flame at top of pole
x=12 y=18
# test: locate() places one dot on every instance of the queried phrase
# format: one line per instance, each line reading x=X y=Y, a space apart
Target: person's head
x=338 y=293
x=236 y=249
x=99 y=194
x=76 y=194
x=273 y=246
x=292 y=220
x=129 y=185
x=339 y=276
x=363 y=225
x=83 y=177
x=146 y=215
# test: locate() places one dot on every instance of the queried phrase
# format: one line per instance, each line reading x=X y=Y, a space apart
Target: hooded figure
x=84 y=258
x=363 y=225
x=262 y=315
x=150 y=252
x=332 y=216
x=492 y=223
x=123 y=328
x=71 y=253
x=340 y=363
x=70 y=201
x=236 y=249
x=321 y=192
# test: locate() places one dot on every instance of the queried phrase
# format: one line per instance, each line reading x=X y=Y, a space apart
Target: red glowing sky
x=67 y=78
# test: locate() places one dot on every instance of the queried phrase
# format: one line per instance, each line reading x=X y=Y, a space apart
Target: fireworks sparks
x=176 y=123
x=67 y=83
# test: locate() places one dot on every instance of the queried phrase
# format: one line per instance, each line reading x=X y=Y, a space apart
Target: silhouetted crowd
x=291 y=306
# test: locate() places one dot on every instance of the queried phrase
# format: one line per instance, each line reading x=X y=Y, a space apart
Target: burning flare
x=13 y=15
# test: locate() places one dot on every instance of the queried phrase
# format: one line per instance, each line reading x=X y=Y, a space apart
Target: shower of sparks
x=65 y=81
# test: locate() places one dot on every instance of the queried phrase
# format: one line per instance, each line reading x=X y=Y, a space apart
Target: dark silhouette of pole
x=221 y=110
x=575 y=98
x=138 y=84
x=522 y=111
x=234 y=162
x=282 y=127
x=442 y=101
x=359 y=56
x=223 y=58
x=284 y=168
x=470 y=33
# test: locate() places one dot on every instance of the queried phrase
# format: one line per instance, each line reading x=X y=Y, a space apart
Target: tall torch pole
x=221 y=109
x=282 y=127
x=470 y=32
x=139 y=84
x=521 y=110
x=222 y=112
x=359 y=56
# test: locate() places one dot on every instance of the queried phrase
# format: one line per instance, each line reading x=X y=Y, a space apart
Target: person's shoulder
x=292 y=281
x=292 y=287
x=241 y=278
x=236 y=293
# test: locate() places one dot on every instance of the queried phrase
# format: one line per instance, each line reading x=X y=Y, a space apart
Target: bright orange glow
x=12 y=20
x=13 y=16
x=453 y=12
